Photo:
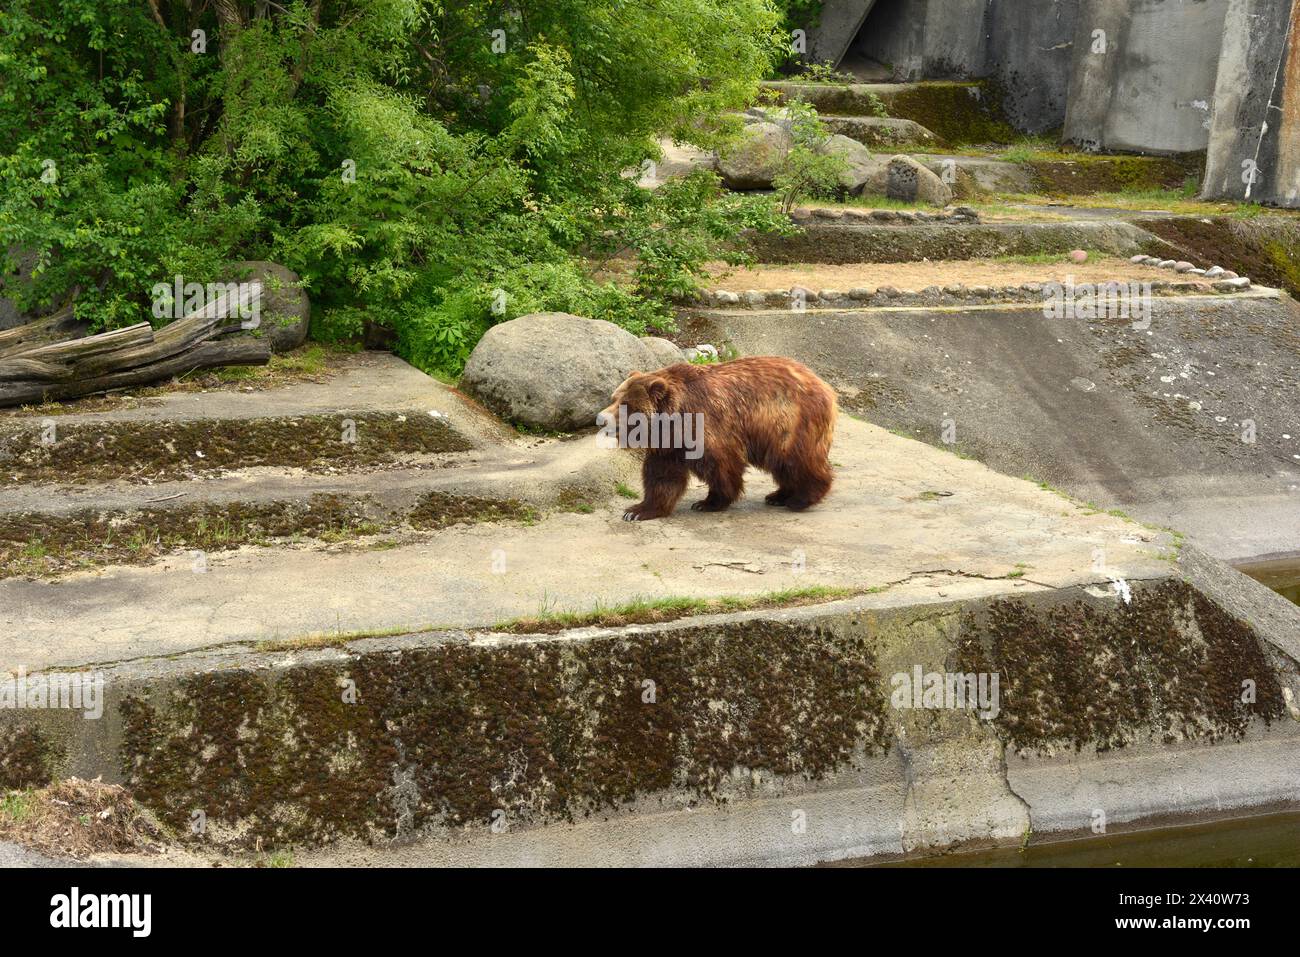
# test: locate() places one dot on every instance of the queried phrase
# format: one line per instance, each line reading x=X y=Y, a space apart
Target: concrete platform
x=1155 y=421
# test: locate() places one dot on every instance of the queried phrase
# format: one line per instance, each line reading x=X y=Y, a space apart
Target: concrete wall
x=894 y=34
x=1257 y=106
x=1025 y=44
x=836 y=26
x=1143 y=74
x=1029 y=51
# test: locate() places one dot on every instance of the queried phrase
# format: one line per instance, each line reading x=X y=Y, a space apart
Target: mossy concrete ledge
x=760 y=737
x=841 y=244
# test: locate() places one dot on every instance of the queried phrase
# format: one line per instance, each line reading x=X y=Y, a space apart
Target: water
x=1282 y=576
x=1264 y=841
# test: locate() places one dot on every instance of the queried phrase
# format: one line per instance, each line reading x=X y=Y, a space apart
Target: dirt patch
x=76 y=818
x=46 y=546
x=918 y=275
x=148 y=452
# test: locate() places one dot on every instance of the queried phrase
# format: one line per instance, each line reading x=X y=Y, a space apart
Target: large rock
x=756 y=158
x=909 y=181
x=661 y=352
x=865 y=172
x=285 y=311
x=552 y=370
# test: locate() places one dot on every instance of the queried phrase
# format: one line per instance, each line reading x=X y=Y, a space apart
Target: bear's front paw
x=640 y=513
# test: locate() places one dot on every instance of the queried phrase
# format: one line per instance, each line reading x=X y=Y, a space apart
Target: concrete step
x=482 y=573
x=1183 y=418
x=376 y=412
x=958 y=112
x=773 y=737
x=863 y=243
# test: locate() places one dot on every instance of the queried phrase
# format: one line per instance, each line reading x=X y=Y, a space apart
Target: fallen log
x=204 y=355
x=40 y=363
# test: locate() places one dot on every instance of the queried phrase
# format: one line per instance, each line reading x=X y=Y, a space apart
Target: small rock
x=1079 y=256
x=1138 y=259
x=1183 y=266
x=832 y=214
x=1167 y=263
x=1228 y=274
x=861 y=293
x=1232 y=285
x=1214 y=271
x=830 y=295
x=884 y=215
x=726 y=297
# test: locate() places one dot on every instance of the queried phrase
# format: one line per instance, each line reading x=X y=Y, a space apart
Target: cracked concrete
x=993 y=534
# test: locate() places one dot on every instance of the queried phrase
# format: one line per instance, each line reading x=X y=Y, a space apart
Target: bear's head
x=643 y=392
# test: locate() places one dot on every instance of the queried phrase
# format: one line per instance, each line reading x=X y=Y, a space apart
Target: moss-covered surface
x=45 y=546
x=442 y=509
x=27 y=757
x=1077 y=675
x=538 y=730
x=165 y=450
x=1267 y=248
x=1081 y=174
x=889 y=244
x=956 y=112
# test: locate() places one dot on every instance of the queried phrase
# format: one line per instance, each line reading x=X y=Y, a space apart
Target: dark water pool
x=1282 y=576
x=1265 y=841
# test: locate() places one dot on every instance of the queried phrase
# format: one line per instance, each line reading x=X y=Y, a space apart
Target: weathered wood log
x=52 y=328
x=204 y=355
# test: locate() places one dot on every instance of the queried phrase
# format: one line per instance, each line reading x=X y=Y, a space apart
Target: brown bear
x=713 y=420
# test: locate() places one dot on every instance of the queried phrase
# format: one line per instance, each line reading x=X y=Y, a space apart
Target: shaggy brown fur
x=772 y=413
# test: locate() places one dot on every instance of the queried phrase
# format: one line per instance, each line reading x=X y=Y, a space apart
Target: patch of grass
x=17 y=806
x=643 y=611
x=625 y=490
x=874 y=201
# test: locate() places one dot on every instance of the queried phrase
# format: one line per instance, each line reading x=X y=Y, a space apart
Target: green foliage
x=810 y=169
x=429 y=166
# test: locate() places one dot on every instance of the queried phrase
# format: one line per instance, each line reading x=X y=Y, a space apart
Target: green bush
x=410 y=159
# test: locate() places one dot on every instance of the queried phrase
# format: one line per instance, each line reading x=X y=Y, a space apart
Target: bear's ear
x=657 y=389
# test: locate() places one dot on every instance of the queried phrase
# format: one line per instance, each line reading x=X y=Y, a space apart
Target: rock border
x=853 y=216
x=952 y=294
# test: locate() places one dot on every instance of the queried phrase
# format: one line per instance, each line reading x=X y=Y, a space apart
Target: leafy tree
x=425 y=165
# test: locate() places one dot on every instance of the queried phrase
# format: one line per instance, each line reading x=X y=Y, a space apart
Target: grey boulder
x=553 y=370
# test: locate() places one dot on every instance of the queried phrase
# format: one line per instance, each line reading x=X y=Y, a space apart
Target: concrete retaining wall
x=772 y=737
x=1254 y=149
x=1024 y=44
x=1143 y=74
